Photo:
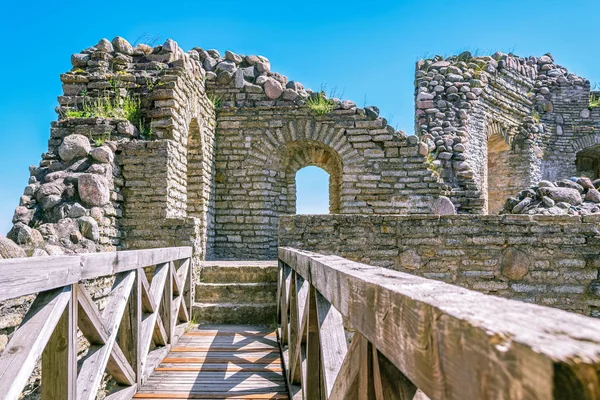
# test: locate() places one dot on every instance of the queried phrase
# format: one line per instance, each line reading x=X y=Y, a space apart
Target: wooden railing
x=420 y=338
x=136 y=328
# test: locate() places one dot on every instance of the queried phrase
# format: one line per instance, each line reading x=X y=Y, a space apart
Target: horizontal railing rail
x=139 y=323
x=421 y=338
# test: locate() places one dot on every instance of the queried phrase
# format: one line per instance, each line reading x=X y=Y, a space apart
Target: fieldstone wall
x=497 y=124
x=548 y=260
x=74 y=198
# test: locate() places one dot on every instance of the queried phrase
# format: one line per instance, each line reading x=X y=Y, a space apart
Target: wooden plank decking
x=220 y=362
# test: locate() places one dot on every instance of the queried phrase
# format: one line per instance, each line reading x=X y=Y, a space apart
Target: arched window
x=312 y=191
x=314 y=171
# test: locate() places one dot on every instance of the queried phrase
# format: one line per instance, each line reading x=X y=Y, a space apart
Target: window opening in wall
x=312 y=191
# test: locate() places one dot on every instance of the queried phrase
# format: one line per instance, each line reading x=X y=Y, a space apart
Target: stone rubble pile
x=68 y=200
x=575 y=196
x=251 y=73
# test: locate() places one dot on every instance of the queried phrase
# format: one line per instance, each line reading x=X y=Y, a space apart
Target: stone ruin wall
x=372 y=170
x=548 y=260
x=495 y=125
x=265 y=134
x=211 y=159
x=128 y=181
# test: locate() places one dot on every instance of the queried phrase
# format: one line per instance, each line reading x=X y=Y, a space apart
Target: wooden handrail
x=415 y=334
x=140 y=311
x=23 y=276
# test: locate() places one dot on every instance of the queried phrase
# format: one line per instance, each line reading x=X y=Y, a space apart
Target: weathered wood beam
x=94 y=364
x=334 y=346
x=454 y=343
x=29 y=340
x=366 y=389
x=390 y=383
x=313 y=383
x=24 y=276
x=148 y=303
x=159 y=335
x=101 y=264
x=149 y=325
x=347 y=377
x=167 y=305
x=93 y=328
x=293 y=333
x=59 y=359
x=285 y=295
x=129 y=334
x=302 y=289
x=122 y=393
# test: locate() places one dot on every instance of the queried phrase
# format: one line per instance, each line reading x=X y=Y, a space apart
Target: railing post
x=285 y=286
x=313 y=382
x=167 y=310
x=130 y=327
x=190 y=289
x=59 y=359
x=293 y=331
x=278 y=295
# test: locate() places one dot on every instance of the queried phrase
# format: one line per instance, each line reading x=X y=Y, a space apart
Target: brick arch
x=585 y=141
x=269 y=151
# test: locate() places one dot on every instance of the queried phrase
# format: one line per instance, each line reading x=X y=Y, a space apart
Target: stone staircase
x=236 y=292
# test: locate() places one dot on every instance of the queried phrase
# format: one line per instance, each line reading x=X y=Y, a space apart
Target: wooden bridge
x=345 y=331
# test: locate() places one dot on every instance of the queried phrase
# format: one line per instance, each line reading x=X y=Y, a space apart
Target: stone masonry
x=496 y=124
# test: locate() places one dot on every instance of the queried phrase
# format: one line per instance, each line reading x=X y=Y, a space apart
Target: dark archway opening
x=588 y=162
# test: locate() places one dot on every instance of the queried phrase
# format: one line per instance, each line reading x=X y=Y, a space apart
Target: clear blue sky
x=364 y=49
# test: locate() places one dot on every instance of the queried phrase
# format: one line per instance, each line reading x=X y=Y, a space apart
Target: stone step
x=230 y=313
x=238 y=271
x=262 y=292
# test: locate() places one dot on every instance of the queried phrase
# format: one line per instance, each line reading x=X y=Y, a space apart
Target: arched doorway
x=196 y=198
x=498 y=173
x=200 y=182
x=587 y=162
